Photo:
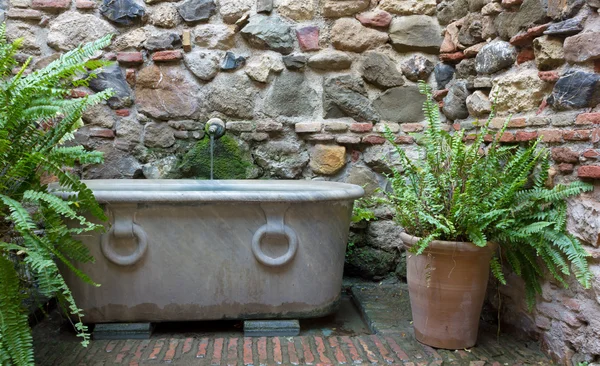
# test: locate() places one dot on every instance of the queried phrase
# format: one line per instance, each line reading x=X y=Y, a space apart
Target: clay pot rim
x=448 y=246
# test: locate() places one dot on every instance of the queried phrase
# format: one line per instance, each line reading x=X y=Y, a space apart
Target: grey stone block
x=271 y=328
x=123 y=331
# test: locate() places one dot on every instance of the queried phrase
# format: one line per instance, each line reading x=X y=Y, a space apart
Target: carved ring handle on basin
x=288 y=232
x=125 y=260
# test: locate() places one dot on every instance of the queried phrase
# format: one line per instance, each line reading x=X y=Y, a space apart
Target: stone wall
x=307 y=86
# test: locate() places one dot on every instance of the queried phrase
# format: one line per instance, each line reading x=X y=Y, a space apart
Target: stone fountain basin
x=177 y=250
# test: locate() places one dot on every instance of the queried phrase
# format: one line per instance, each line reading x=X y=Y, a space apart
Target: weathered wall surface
x=307 y=86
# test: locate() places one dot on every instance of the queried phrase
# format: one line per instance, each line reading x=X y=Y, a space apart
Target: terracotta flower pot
x=447 y=285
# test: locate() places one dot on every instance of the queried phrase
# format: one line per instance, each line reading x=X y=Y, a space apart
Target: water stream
x=212 y=152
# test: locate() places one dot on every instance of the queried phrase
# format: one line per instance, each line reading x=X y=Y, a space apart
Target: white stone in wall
x=260 y=67
x=216 y=36
x=519 y=91
x=409 y=7
x=130 y=40
x=233 y=10
x=297 y=9
x=71 y=28
x=164 y=15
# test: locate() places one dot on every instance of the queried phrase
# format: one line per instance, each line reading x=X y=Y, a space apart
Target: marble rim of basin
x=189 y=190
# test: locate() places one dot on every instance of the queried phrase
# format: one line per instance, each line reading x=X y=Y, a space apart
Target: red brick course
x=167 y=56
x=51 y=4
x=361 y=127
x=589 y=171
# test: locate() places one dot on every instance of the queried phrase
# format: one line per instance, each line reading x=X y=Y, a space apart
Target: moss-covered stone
x=230 y=162
x=370 y=263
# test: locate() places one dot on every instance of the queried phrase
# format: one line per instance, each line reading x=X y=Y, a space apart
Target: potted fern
x=467 y=204
x=37 y=115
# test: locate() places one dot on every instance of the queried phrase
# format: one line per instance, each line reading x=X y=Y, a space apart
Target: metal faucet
x=215 y=128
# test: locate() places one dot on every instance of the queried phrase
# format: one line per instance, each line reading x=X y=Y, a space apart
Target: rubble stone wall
x=307 y=87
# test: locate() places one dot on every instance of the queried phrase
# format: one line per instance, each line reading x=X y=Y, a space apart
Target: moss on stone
x=229 y=160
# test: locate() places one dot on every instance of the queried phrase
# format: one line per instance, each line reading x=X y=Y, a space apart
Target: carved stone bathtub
x=203 y=250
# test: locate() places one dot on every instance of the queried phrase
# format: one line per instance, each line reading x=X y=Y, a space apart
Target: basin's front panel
x=199 y=262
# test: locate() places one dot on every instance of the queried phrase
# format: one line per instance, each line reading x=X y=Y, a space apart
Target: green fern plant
x=471 y=188
x=37 y=115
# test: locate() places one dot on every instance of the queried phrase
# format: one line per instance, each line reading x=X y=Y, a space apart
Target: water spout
x=215 y=128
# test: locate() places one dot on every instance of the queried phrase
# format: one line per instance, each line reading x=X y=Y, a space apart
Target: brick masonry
x=388 y=316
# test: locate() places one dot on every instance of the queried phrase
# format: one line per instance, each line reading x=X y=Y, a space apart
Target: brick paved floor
x=384 y=307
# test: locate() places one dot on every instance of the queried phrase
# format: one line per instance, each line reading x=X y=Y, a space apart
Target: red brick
x=24 y=14
x=51 y=4
x=122 y=112
x=217 y=351
x=526 y=54
x=405 y=140
x=438 y=95
x=382 y=350
x=564 y=155
x=156 y=350
x=525 y=38
x=277 y=355
x=126 y=348
x=373 y=140
x=352 y=349
x=551 y=135
x=526 y=135
x=591 y=153
x=130 y=57
x=293 y=356
x=361 y=127
x=507 y=137
x=321 y=350
x=103 y=133
x=309 y=358
x=397 y=349
x=595 y=135
x=261 y=346
x=137 y=355
x=166 y=56
x=454 y=57
x=518 y=122
x=565 y=168
x=110 y=56
x=232 y=354
x=78 y=93
x=339 y=354
x=248 y=351
x=85 y=4
x=370 y=355
x=549 y=76
x=412 y=127
x=589 y=171
x=170 y=354
x=588 y=118
x=577 y=135
x=187 y=345
x=202 y=346
x=308 y=38
x=355 y=155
